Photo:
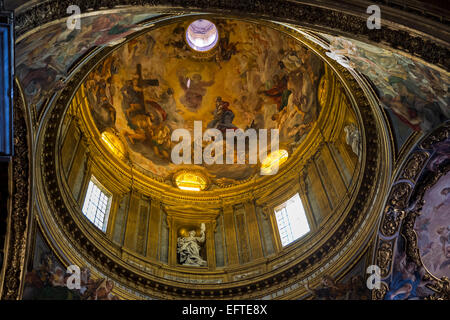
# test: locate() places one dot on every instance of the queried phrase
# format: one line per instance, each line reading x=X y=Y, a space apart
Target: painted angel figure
x=189 y=248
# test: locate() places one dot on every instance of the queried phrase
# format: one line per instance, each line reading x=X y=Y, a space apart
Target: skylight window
x=291 y=220
x=202 y=35
x=97 y=204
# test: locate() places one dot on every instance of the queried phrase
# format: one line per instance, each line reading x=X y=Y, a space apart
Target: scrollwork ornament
x=378 y=294
x=414 y=165
x=391 y=221
x=399 y=195
x=441 y=289
x=410 y=235
x=384 y=257
x=440 y=135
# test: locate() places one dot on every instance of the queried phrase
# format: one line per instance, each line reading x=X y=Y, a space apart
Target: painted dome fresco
x=252 y=77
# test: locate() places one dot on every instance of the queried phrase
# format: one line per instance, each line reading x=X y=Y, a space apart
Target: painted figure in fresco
x=223 y=117
x=133 y=93
x=444 y=236
x=354 y=289
x=141 y=47
x=329 y=289
x=100 y=290
x=37 y=279
x=189 y=248
x=416 y=94
x=405 y=281
x=279 y=93
x=40 y=83
x=441 y=260
x=48 y=282
x=357 y=289
x=146 y=118
x=194 y=90
x=226 y=49
x=446 y=194
x=103 y=112
x=176 y=45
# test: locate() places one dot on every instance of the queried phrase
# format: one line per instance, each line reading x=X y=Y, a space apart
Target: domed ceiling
x=255 y=77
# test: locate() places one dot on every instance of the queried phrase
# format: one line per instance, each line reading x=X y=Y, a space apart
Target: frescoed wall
x=433 y=224
x=351 y=287
x=44 y=57
x=407 y=281
x=46 y=279
x=415 y=96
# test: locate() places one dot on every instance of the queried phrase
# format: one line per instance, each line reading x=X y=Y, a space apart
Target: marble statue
x=353 y=138
x=189 y=248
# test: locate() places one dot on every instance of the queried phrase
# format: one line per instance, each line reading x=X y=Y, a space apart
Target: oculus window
x=97 y=204
x=291 y=220
x=202 y=35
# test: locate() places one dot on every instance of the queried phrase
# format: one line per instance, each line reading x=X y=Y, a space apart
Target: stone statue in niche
x=353 y=138
x=189 y=248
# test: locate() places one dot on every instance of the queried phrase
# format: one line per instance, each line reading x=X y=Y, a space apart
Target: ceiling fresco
x=44 y=57
x=257 y=77
x=416 y=94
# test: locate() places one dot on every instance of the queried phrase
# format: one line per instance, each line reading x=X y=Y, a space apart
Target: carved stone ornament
x=414 y=165
x=439 y=135
x=391 y=221
x=399 y=195
x=188 y=247
x=384 y=257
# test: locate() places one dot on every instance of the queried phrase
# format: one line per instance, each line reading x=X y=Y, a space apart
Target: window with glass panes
x=96 y=204
x=291 y=220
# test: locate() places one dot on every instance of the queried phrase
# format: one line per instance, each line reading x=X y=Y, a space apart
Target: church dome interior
x=203 y=152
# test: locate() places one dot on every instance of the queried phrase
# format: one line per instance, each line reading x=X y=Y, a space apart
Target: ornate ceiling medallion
x=190 y=180
x=202 y=35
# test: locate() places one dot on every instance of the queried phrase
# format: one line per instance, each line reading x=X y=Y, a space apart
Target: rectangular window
x=291 y=220
x=97 y=204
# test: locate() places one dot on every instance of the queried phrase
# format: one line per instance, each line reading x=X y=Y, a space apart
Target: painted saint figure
x=189 y=248
x=223 y=116
x=194 y=90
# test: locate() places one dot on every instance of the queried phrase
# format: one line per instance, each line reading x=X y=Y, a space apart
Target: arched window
x=291 y=220
x=97 y=204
